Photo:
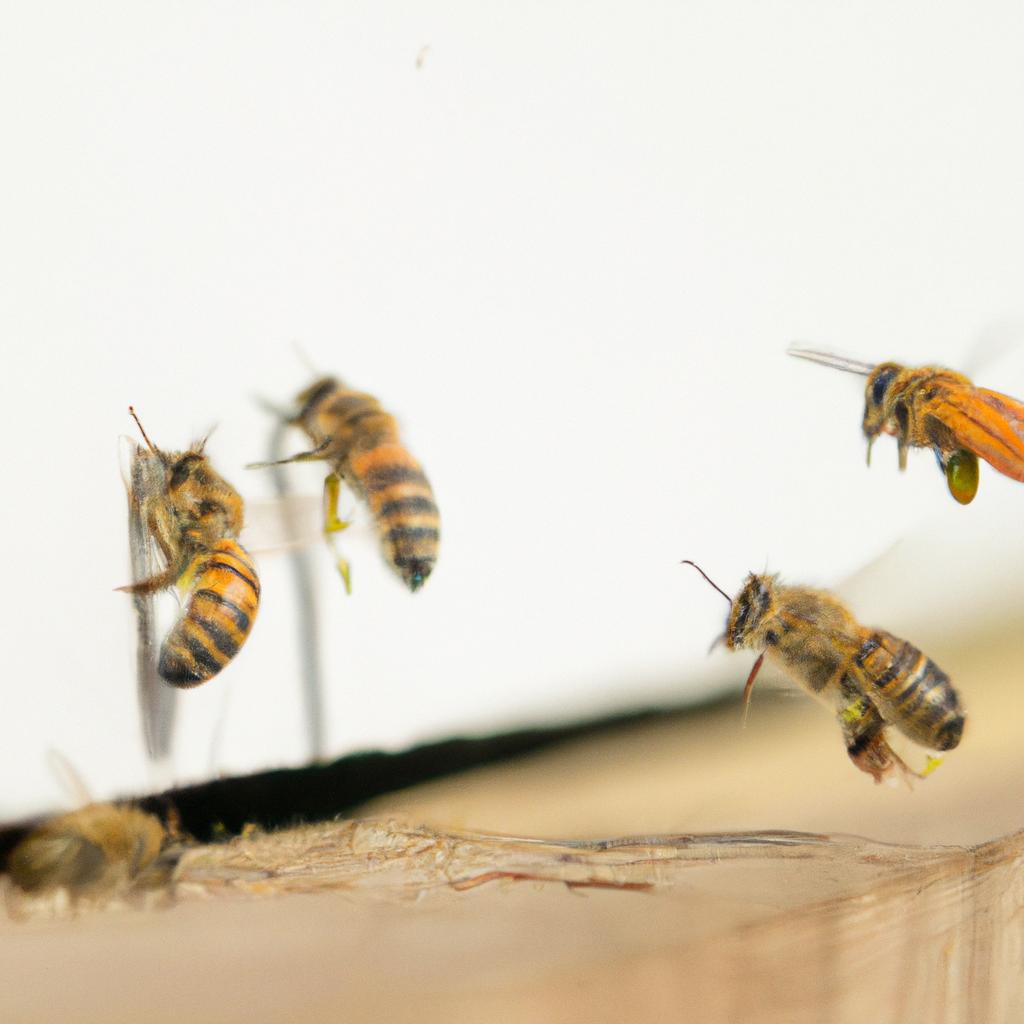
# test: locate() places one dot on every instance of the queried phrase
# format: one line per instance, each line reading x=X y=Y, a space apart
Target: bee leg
x=750 y=686
x=313 y=455
x=333 y=524
x=866 y=745
x=902 y=449
x=176 y=568
x=161 y=581
x=344 y=569
x=332 y=492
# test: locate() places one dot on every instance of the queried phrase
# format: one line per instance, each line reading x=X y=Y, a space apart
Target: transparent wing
x=157 y=700
x=68 y=778
x=293 y=522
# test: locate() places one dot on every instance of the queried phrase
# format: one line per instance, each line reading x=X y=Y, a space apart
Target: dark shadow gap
x=287 y=797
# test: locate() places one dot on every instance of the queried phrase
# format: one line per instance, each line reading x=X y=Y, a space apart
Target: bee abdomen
x=403 y=507
x=912 y=692
x=224 y=594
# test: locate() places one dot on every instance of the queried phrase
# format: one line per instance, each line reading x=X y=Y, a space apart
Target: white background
x=569 y=252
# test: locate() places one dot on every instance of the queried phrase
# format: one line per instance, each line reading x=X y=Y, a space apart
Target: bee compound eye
x=962 y=476
x=881 y=384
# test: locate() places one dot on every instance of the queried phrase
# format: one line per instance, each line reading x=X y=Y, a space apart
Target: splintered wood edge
x=388 y=857
x=389 y=860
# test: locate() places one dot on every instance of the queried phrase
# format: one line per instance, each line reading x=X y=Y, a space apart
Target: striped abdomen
x=403 y=508
x=224 y=595
x=910 y=691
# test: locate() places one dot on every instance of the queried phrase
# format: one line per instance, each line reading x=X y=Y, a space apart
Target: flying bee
x=193 y=515
x=929 y=407
x=98 y=850
x=351 y=432
x=871 y=679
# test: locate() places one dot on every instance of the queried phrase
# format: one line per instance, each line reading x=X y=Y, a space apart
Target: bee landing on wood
x=870 y=678
x=351 y=432
x=194 y=516
x=929 y=407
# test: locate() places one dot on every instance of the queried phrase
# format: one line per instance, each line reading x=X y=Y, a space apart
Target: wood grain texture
x=734 y=888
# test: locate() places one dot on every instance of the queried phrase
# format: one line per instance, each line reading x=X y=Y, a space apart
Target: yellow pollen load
x=962 y=476
x=187 y=578
x=853 y=712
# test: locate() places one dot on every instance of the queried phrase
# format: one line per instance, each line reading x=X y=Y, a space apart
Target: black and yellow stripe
x=224 y=595
x=910 y=690
x=351 y=430
x=402 y=503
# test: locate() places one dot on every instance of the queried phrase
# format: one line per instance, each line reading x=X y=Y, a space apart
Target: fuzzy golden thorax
x=204 y=506
x=767 y=614
x=895 y=400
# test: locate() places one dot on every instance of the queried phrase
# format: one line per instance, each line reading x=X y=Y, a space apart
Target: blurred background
x=567 y=247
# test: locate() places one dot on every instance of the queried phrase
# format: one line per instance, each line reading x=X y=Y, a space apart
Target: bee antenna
x=200 y=445
x=750 y=686
x=687 y=561
x=843 y=363
x=275 y=410
x=142 y=430
x=303 y=357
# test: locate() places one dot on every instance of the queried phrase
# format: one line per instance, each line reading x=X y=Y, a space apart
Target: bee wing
x=290 y=523
x=157 y=700
x=68 y=778
x=984 y=422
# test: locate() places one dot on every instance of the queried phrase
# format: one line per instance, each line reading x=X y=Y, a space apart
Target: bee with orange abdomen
x=97 y=850
x=929 y=407
x=871 y=679
x=351 y=432
x=194 y=516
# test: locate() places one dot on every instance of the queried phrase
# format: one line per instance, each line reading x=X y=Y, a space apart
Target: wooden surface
x=429 y=908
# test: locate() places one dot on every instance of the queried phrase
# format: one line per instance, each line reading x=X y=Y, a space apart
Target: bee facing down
x=360 y=440
x=870 y=678
x=194 y=515
x=99 y=849
x=929 y=407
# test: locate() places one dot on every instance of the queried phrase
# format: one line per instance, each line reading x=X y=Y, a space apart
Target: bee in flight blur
x=929 y=407
x=870 y=678
x=194 y=515
x=98 y=850
x=350 y=431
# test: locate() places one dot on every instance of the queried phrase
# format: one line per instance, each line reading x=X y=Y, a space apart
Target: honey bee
x=351 y=432
x=929 y=407
x=871 y=678
x=98 y=850
x=194 y=515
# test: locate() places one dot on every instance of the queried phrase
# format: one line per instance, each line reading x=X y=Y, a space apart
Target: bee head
x=306 y=401
x=879 y=398
x=752 y=609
